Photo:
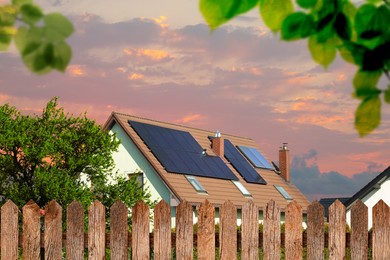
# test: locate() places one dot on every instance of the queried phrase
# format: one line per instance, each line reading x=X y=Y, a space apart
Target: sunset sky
x=157 y=59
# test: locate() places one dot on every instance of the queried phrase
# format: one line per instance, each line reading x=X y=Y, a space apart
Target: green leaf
x=342 y=26
x=62 y=56
x=6 y=34
x=31 y=13
x=322 y=52
x=365 y=83
x=297 y=26
x=352 y=52
x=217 y=12
x=368 y=115
x=8 y=15
x=387 y=94
x=273 y=12
x=58 y=27
x=377 y=58
x=307 y=3
x=21 y=2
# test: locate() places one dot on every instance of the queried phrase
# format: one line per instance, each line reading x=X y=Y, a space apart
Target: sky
x=158 y=59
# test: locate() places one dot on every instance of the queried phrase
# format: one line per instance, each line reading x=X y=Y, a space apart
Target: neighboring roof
x=372 y=185
x=326 y=202
x=218 y=190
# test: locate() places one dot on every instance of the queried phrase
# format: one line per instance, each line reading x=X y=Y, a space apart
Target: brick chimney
x=284 y=162
x=217 y=144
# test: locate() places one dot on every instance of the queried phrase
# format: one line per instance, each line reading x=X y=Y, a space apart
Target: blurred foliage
x=40 y=38
x=360 y=34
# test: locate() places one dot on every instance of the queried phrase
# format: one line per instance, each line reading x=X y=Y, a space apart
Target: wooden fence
x=140 y=240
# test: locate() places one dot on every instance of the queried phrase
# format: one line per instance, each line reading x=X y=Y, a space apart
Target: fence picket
x=140 y=231
x=271 y=239
x=162 y=231
x=96 y=231
x=184 y=231
x=337 y=229
x=75 y=231
x=359 y=232
x=228 y=231
x=31 y=231
x=9 y=231
x=250 y=231
x=381 y=231
x=119 y=238
x=315 y=231
x=293 y=231
x=206 y=231
x=53 y=231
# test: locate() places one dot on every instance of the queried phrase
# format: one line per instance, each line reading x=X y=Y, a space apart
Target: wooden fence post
x=293 y=231
x=184 y=231
x=250 y=231
x=162 y=231
x=9 y=231
x=53 y=231
x=119 y=230
x=31 y=231
x=337 y=229
x=315 y=231
x=359 y=232
x=74 y=231
x=271 y=236
x=206 y=231
x=96 y=231
x=140 y=231
x=381 y=231
x=228 y=231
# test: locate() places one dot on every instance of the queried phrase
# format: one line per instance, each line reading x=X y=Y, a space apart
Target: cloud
x=306 y=175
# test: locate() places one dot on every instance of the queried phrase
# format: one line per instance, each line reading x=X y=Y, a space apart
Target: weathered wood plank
x=140 y=231
x=206 y=231
x=271 y=231
x=337 y=229
x=315 y=231
x=31 y=231
x=162 y=231
x=53 y=231
x=359 y=231
x=96 y=231
x=293 y=231
x=9 y=231
x=381 y=231
x=119 y=237
x=75 y=231
x=184 y=231
x=228 y=231
x=250 y=231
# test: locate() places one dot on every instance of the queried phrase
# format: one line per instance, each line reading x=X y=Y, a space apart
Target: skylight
x=241 y=187
x=196 y=184
x=283 y=192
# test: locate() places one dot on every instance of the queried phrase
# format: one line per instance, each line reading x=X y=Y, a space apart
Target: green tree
x=57 y=156
x=360 y=34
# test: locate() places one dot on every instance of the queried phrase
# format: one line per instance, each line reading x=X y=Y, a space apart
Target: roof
x=372 y=185
x=218 y=190
x=327 y=202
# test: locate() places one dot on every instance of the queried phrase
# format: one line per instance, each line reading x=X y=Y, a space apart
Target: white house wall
x=128 y=159
x=371 y=199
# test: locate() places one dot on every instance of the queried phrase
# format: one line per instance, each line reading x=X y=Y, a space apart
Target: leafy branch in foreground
x=39 y=38
x=360 y=34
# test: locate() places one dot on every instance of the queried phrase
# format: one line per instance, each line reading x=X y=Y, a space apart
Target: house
x=327 y=202
x=376 y=190
x=179 y=163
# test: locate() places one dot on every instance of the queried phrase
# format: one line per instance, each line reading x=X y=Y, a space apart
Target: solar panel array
x=255 y=157
x=241 y=164
x=179 y=152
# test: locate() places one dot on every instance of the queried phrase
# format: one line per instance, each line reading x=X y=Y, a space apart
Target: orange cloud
x=136 y=76
x=189 y=118
x=161 y=21
x=251 y=70
x=76 y=71
x=155 y=55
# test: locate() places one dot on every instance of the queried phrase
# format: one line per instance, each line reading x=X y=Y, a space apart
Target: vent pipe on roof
x=217 y=144
x=284 y=162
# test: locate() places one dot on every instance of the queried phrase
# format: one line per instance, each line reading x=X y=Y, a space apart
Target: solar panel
x=179 y=152
x=241 y=164
x=255 y=157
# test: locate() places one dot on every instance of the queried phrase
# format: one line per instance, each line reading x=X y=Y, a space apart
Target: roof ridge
x=178 y=125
